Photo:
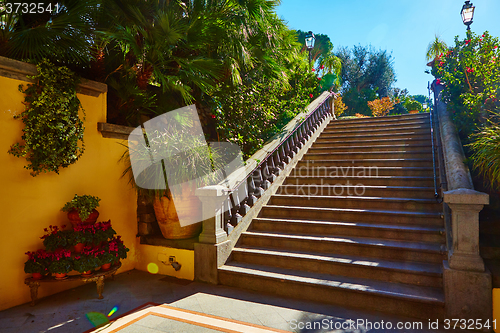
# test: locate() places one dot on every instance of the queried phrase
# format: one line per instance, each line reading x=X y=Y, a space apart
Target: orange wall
x=30 y=204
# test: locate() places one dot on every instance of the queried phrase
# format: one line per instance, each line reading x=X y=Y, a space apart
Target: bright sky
x=403 y=27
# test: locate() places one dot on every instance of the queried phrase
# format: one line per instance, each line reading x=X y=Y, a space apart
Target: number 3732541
x=28 y=7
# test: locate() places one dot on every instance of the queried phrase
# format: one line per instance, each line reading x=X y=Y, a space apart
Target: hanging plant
x=53 y=132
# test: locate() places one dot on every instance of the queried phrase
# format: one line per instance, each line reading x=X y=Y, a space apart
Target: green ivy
x=53 y=132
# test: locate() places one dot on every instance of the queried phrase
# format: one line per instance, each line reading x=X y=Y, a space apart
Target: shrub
x=381 y=107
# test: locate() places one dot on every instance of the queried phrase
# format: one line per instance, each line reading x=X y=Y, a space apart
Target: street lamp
x=467 y=13
x=310 y=39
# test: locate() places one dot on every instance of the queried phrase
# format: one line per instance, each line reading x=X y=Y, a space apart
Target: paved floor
x=66 y=312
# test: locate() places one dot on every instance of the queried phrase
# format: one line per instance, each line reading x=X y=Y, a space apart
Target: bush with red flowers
x=88 y=260
x=56 y=237
x=38 y=262
x=61 y=261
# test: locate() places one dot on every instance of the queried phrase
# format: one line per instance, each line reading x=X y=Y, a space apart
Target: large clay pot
x=74 y=218
x=188 y=208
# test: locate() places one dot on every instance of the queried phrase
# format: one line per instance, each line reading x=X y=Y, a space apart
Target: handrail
x=436 y=195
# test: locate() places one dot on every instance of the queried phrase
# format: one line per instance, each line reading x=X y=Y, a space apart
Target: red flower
x=467 y=42
x=313 y=70
x=322 y=66
x=319 y=78
x=482 y=35
x=441 y=63
x=438 y=81
x=311 y=95
x=495 y=47
x=469 y=70
x=212 y=116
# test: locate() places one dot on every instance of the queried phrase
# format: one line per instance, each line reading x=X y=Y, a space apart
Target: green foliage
x=412 y=105
x=37 y=262
x=486 y=153
x=366 y=75
x=470 y=72
x=52 y=128
x=252 y=113
x=61 y=261
x=56 y=237
x=84 y=204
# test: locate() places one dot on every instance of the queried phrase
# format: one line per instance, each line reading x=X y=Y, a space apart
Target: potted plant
x=37 y=263
x=60 y=263
x=102 y=232
x=109 y=255
x=82 y=234
x=87 y=260
x=117 y=247
x=56 y=237
x=195 y=165
x=82 y=209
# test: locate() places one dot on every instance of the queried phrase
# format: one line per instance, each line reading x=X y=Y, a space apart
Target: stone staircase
x=354 y=224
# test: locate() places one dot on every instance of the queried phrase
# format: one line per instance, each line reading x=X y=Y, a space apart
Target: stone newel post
x=465 y=205
x=467 y=283
x=213 y=242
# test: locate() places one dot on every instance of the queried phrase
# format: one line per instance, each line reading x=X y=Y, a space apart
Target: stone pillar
x=467 y=283
x=213 y=238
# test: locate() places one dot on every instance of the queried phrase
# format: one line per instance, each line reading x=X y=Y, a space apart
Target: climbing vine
x=53 y=131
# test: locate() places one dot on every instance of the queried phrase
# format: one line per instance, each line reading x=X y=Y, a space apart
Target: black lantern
x=310 y=39
x=467 y=13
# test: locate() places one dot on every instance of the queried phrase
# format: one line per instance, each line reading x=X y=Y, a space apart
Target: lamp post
x=467 y=13
x=310 y=39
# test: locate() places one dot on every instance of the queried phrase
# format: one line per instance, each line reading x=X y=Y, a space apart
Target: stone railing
x=230 y=206
x=467 y=282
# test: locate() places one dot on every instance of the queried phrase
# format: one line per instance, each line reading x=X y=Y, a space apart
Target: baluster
x=288 y=151
x=277 y=163
x=265 y=175
x=242 y=191
x=282 y=156
x=235 y=206
x=227 y=215
x=271 y=169
x=298 y=145
x=257 y=178
x=252 y=198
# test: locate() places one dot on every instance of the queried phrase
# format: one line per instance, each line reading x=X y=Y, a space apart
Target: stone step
x=398 y=299
x=346 y=137
x=386 y=119
x=333 y=155
x=355 y=229
x=377 y=130
x=421 y=274
x=372 y=191
x=356 y=202
x=368 y=162
x=360 y=181
x=387 y=124
x=357 y=246
x=353 y=215
x=322 y=147
x=373 y=171
x=320 y=142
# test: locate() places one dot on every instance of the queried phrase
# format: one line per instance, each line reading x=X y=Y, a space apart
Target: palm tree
x=437 y=47
x=63 y=34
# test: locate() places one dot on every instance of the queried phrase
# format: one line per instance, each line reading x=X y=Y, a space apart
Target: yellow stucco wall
x=154 y=255
x=30 y=204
